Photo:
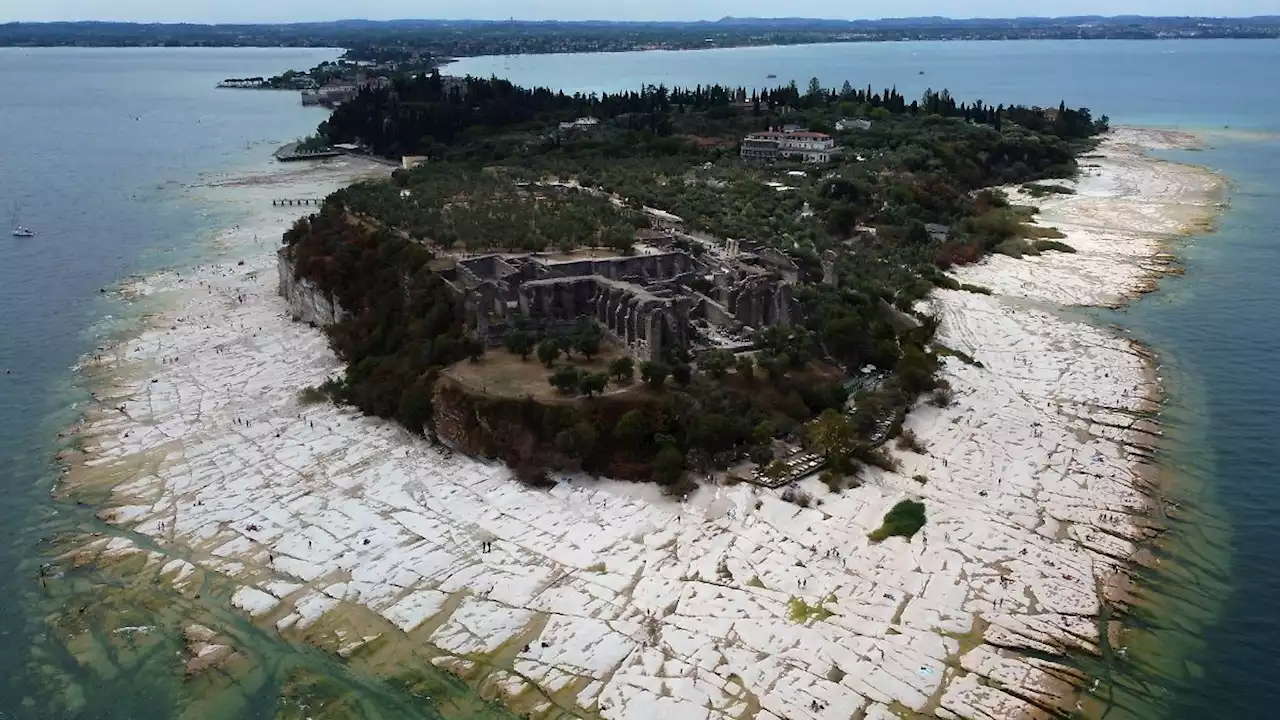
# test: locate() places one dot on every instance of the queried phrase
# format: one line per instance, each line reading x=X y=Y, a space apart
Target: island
x=698 y=402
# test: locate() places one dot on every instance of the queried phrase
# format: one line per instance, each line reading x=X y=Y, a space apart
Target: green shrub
x=904 y=520
x=908 y=441
x=1045 y=245
x=980 y=289
x=1043 y=189
x=1015 y=248
x=946 y=282
x=312 y=395
x=1040 y=231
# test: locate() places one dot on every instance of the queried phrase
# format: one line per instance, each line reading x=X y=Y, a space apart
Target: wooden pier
x=291 y=202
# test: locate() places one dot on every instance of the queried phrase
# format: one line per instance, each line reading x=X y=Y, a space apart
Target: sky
x=221 y=11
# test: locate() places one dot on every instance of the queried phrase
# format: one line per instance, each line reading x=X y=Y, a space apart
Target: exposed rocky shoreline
x=601 y=597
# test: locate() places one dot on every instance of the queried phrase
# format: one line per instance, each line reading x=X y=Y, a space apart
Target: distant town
x=446 y=39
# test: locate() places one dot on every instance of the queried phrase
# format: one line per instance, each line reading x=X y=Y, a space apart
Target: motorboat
x=18 y=229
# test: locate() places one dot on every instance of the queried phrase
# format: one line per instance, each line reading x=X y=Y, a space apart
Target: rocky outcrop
x=307 y=302
x=202 y=652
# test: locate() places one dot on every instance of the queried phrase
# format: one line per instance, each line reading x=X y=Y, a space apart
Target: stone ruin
x=644 y=302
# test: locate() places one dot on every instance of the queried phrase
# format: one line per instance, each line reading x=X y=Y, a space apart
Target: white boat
x=18 y=229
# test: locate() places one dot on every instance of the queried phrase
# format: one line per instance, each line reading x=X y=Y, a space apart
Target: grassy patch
x=980 y=289
x=1045 y=245
x=904 y=520
x=755 y=582
x=802 y=612
x=597 y=568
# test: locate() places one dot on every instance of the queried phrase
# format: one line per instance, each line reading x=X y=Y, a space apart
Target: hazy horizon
x=295 y=11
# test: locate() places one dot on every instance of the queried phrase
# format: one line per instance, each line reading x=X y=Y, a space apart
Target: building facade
x=788 y=144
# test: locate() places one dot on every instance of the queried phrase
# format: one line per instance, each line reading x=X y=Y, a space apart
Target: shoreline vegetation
x=1027 y=439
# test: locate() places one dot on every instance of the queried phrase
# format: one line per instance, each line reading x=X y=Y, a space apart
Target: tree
x=549 y=351
x=761 y=455
x=815 y=88
x=682 y=373
x=654 y=374
x=586 y=339
x=716 y=363
x=832 y=434
x=777 y=470
x=584 y=438
x=747 y=367
x=518 y=342
x=567 y=379
x=668 y=466
x=623 y=369
x=474 y=348
x=764 y=432
x=593 y=383
x=633 y=430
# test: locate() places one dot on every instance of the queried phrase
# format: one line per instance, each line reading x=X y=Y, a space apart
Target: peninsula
x=860 y=466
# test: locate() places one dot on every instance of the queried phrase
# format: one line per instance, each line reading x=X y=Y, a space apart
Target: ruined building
x=644 y=302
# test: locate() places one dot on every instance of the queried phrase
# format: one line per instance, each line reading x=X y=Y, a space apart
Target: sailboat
x=18 y=229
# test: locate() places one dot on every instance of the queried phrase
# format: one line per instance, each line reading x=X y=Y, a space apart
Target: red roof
x=805 y=134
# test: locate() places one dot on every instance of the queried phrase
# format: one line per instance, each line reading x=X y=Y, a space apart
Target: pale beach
x=603 y=598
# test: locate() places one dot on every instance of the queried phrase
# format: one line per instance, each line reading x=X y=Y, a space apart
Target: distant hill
x=482 y=37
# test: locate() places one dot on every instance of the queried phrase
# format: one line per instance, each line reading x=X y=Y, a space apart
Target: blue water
x=100 y=148
x=1210 y=627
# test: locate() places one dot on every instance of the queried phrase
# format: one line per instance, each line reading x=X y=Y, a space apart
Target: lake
x=104 y=147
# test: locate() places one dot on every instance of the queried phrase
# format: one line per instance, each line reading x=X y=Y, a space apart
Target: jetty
x=292 y=202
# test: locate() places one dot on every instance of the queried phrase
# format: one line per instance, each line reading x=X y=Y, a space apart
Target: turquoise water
x=100 y=147
x=1209 y=628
